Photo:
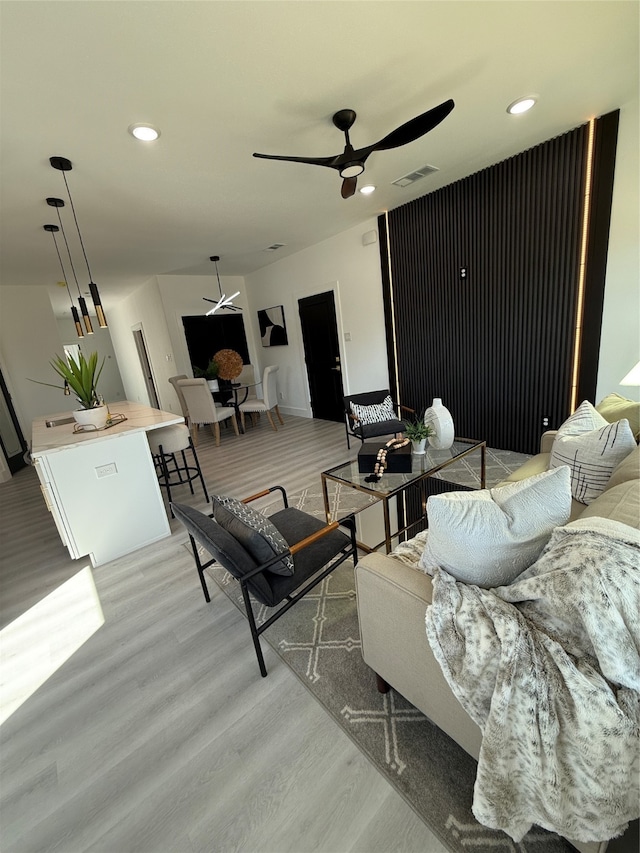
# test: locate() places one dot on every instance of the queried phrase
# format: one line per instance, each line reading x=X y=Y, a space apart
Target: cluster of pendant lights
x=63 y=165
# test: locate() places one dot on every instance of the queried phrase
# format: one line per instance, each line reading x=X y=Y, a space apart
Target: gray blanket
x=549 y=668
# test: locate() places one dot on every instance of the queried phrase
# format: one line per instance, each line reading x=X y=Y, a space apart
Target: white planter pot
x=440 y=420
x=94 y=418
x=418 y=446
x=213 y=384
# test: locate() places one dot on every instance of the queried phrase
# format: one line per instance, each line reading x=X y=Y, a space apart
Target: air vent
x=274 y=247
x=412 y=177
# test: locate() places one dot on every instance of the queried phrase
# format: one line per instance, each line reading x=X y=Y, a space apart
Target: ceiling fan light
x=144 y=132
x=521 y=105
x=368 y=189
x=352 y=170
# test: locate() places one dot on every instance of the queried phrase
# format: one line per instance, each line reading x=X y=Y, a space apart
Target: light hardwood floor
x=158 y=734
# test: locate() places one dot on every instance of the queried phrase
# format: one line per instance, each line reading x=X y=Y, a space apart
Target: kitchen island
x=101 y=486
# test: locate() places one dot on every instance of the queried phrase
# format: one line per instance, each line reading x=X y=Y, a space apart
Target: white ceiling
x=224 y=79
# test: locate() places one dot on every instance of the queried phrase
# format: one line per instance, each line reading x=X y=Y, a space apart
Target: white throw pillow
x=488 y=537
x=592 y=448
x=376 y=412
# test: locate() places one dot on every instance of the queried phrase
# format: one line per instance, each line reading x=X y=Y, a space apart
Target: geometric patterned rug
x=319 y=640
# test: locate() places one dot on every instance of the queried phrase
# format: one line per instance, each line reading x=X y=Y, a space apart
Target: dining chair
x=269 y=401
x=174 y=381
x=203 y=410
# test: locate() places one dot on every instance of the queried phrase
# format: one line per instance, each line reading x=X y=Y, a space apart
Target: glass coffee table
x=391 y=485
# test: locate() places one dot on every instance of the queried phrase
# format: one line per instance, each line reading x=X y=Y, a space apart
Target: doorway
x=322 y=355
x=11 y=439
x=145 y=364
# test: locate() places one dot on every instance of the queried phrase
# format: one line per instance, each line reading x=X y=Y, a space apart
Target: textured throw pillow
x=488 y=537
x=592 y=448
x=615 y=408
x=254 y=531
x=375 y=413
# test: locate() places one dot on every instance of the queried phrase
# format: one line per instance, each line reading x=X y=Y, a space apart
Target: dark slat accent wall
x=496 y=345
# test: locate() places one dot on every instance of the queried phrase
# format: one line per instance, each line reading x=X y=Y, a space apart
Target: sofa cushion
x=376 y=412
x=615 y=408
x=592 y=448
x=621 y=503
x=254 y=532
x=488 y=537
x=628 y=469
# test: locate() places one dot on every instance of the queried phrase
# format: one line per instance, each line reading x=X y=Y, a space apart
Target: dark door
x=322 y=355
x=11 y=438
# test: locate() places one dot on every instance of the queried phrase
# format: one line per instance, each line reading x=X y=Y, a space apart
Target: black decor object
x=351 y=162
x=498 y=344
x=398 y=462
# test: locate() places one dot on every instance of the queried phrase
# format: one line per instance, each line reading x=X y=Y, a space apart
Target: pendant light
x=53 y=229
x=58 y=203
x=224 y=301
x=63 y=165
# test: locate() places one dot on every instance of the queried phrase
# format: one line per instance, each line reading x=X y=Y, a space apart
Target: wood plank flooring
x=158 y=734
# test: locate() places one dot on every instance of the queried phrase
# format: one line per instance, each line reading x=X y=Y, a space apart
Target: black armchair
x=372 y=414
x=277 y=559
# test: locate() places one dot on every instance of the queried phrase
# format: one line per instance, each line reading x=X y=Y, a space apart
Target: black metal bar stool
x=165 y=444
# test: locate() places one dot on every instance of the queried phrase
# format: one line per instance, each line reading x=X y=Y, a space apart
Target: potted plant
x=81 y=378
x=210 y=373
x=418 y=431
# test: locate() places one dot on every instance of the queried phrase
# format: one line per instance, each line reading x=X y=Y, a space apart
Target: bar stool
x=164 y=444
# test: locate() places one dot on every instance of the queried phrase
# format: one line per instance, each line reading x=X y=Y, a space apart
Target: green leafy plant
x=80 y=376
x=211 y=371
x=417 y=429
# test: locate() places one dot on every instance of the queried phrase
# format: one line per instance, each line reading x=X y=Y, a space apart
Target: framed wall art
x=273 y=331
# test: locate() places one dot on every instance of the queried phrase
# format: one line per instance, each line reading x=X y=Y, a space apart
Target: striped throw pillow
x=375 y=413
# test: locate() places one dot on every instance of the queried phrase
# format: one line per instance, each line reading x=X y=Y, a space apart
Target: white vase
x=213 y=384
x=94 y=418
x=418 y=446
x=440 y=420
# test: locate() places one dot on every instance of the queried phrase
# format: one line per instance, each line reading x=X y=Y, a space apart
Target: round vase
x=213 y=384
x=439 y=419
x=418 y=446
x=94 y=418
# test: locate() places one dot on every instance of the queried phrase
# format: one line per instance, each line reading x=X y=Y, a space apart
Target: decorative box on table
x=398 y=461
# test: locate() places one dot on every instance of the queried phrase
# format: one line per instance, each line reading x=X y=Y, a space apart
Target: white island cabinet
x=101 y=486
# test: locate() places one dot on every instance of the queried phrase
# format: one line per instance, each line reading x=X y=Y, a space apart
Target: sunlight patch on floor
x=39 y=641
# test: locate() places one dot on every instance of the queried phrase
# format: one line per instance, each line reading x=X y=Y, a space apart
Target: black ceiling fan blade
x=313 y=161
x=348 y=187
x=415 y=128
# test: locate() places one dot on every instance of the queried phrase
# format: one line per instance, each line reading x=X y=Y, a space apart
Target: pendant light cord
x=64 y=275
x=73 y=210
x=73 y=269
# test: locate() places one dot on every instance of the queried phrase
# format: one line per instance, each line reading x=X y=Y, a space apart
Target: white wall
x=110 y=385
x=352 y=271
x=143 y=308
x=29 y=339
x=620 y=342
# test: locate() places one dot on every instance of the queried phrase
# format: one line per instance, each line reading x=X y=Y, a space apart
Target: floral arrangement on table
x=417 y=429
x=211 y=371
x=229 y=363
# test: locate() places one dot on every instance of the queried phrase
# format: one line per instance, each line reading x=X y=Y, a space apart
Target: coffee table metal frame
x=391 y=485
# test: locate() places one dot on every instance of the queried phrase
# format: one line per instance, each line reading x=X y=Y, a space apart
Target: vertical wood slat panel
x=496 y=346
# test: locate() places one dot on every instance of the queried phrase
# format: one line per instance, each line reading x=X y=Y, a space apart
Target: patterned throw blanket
x=549 y=668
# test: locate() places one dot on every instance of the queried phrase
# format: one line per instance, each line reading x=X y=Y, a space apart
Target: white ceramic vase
x=94 y=418
x=213 y=384
x=439 y=419
x=418 y=446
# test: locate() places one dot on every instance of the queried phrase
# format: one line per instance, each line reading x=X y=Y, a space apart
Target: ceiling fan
x=351 y=162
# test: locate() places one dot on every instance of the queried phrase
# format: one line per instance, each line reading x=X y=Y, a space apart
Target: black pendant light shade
x=62 y=164
x=58 y=203
x=53 y=229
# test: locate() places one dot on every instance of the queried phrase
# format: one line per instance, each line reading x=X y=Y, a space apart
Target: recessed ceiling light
x=367 y=190
x=144 y=132
x=521 y=105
